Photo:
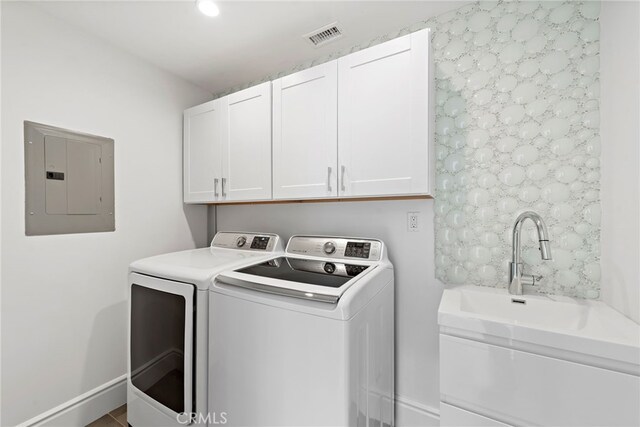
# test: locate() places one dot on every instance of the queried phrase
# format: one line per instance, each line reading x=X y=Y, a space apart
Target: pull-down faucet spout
x=516 y=278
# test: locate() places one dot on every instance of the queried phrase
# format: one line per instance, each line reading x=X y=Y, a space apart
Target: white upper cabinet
x=384 y=125
x=227 y=148
x=305 y=145
x=360 y=126
x=202 y=153
x=246 y=148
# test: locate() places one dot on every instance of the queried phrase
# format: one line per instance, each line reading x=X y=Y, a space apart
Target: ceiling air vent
x=324 y=35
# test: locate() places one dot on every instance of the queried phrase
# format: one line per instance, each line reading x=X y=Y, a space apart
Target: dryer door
x=161 y=342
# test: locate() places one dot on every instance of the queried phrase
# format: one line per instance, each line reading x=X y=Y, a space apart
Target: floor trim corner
x=85 y=408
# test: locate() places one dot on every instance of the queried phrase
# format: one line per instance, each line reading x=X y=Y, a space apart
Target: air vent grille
x=324 y=35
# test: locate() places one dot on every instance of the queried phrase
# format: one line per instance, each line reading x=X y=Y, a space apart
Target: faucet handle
x=537 y=278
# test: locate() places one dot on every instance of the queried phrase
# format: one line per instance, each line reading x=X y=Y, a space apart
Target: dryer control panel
x=336 y=247
x=264 y=242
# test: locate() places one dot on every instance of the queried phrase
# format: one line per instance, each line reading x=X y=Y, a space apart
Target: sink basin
x=535 y=311
x=549 y=324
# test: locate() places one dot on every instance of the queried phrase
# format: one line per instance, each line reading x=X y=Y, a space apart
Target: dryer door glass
x=158 y=324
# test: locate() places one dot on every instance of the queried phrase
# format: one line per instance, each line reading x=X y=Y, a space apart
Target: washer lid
x=198 y=266
x=317 y=280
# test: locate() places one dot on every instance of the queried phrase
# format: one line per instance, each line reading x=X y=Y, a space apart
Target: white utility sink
x=552 y=324
x=534 y=311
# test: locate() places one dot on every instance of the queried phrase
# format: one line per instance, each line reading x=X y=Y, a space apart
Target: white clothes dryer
x=305 y=338
x=168 y=322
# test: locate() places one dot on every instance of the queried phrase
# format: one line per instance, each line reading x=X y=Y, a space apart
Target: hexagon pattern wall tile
x=517 y=128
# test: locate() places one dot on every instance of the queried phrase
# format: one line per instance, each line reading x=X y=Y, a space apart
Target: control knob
x=329 y=248
x=240 y=242
x=329 y=267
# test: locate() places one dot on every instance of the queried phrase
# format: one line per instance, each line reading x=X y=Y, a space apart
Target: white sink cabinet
x=536 y=360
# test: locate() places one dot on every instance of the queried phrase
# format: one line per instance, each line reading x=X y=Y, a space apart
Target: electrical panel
x=69 y=181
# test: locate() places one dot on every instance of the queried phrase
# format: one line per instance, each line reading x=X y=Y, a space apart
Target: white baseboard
x=85 y=408
x=91 y=405
x=410 y=413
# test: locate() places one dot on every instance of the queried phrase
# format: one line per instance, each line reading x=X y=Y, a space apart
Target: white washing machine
x=305 y=338
x=168 y=321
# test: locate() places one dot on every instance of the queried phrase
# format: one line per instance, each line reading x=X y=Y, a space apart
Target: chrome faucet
x=516 y=278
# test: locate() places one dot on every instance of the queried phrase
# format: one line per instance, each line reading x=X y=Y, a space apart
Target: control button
x=330 y=267
x=329 y=248
x=240 y=241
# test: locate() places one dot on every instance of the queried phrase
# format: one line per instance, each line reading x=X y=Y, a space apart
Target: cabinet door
x=521 y=388
x=384 y=125
x=246 y=169
x=305 y=139
x=202 y=153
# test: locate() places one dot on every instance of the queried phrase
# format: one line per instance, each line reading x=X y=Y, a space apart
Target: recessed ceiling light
x=208 y=7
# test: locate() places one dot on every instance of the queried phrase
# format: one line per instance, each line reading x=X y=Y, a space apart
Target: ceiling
x=248 y=41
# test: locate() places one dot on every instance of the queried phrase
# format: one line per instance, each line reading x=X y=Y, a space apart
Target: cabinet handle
x=223 y=182
x=215 y=187
x=329 y=179
x=342 y=169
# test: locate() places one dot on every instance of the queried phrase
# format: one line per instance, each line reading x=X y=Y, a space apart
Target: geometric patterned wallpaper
x=517 y=128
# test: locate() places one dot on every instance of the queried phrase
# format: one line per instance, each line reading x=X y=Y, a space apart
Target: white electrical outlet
x=412 y=221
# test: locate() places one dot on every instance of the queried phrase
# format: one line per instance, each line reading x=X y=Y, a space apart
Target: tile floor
x=115 y=418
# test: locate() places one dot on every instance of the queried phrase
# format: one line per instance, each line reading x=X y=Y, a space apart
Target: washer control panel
x=260 y=242
x=246 y=241
x=336 y=247
x=358 y=249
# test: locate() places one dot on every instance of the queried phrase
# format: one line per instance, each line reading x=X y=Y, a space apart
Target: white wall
x=620 y=132
x=418 y=292
x=64 y=297
x=0 y=217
